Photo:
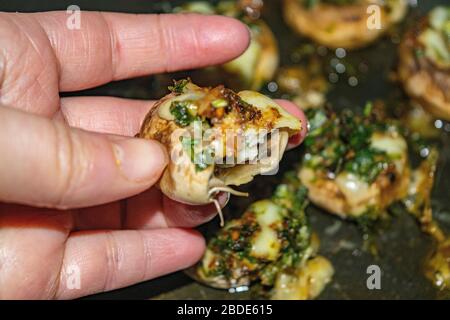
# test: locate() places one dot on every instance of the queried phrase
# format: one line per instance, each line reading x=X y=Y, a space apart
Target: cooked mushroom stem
x=214 y=191
x=219 y=211
x=229 y=190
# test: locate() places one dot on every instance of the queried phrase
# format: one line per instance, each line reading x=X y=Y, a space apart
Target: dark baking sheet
x=403 y=247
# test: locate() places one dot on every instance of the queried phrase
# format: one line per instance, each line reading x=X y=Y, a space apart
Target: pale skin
x=75 y=186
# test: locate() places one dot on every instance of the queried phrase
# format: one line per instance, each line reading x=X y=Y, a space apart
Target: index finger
x=113 y=46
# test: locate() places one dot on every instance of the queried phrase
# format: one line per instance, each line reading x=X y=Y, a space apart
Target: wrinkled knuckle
x=113 y=260
x=147 y=269
x=72 y=164
x=166 y=41
x=113 y=46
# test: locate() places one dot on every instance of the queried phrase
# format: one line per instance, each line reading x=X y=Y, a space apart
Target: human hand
x=65 y=162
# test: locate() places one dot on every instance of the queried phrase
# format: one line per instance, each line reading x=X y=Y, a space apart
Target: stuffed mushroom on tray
x=343 y=23
x=258 y=64
x=270 y=244
x=424 y=67
x=354 y=164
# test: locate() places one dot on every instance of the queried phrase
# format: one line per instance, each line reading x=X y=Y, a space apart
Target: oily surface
x=402 y=246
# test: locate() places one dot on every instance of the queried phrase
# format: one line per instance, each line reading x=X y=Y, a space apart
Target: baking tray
x=403 y=247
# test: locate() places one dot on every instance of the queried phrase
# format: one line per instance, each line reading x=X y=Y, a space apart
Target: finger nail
x=140 y=160
x=305 y=128
x=223 y=198
x=295 y=140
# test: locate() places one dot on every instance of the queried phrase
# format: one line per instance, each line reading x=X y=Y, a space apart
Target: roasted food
x=354 y=165
x=258 y=64
x=418 y=203
x=216 y=138
x=342 y=23
x=270 y=244
x=418 y=121
x=424 y=67
x=437 y=267
x=306 y=86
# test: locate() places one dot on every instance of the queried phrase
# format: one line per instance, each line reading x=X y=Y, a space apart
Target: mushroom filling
x=216 y=138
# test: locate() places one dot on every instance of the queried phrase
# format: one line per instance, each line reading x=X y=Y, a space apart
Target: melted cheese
x=265 y=243
x=354 y=188
x=267 y=213
x=307 y=283
x=393 y=145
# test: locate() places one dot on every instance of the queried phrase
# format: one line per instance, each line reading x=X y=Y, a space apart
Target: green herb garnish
x=178 y=86
x=219 y=103
x=202 y=159
x=183 y=116
x=367 y=164
x=342 y=142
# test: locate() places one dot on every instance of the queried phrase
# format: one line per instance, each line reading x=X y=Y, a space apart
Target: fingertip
x=226 y=37
x=297 y=112
x=173 y=249
x=236 y=35
x=190 y=245
x=141 y=255
x=196 y=240
x=188 y=216
x=292 y=108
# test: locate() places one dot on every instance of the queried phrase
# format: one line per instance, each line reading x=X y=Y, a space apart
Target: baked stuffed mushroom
x=270 y=244
x=216 y=138
x=304 y=85
x=258 y=64
x=424 y=67
x=354 y=165
x=341 y=23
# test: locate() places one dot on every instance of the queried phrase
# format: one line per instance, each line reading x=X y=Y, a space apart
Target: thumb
x=46 y=163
